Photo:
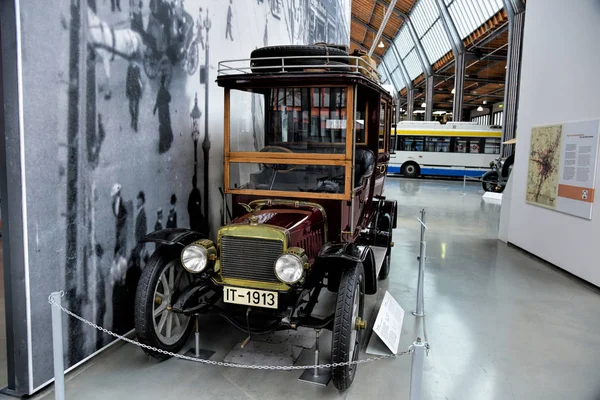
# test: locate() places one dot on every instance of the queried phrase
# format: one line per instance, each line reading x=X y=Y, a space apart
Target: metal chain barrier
x=221 y=363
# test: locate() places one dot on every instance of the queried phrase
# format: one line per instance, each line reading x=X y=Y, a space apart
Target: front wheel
x=348 y=325
x=156 y=324
x=489 y=182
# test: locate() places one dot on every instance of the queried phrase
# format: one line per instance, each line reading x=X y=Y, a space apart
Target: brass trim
x=297 y=204
x=260 y=231
x=246 y=283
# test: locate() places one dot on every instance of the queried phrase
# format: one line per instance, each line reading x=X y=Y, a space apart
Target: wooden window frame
x=345 y=159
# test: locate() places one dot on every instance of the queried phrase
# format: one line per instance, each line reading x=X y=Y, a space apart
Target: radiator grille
x=250 y=258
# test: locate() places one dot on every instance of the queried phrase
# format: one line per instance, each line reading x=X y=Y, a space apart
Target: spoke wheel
x=192 y=58
x=347 y=332
x=150 y=63
x=168 y=325
x=156 y=324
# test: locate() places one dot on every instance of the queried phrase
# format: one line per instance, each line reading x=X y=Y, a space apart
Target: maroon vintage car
x=306 y=147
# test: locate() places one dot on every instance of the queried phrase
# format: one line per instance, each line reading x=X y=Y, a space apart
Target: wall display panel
x=122 y=135
x=562 y=167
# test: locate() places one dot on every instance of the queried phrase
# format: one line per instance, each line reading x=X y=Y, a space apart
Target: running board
x=379 y=253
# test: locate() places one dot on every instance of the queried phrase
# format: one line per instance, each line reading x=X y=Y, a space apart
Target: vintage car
x=306 y=147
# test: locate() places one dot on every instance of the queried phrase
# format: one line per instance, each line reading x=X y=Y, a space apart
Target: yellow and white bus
x=452 y=149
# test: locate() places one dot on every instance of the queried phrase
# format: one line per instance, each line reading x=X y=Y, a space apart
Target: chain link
x=220 y=363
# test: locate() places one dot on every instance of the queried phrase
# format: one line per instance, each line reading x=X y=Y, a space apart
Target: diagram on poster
x=562 y=167
x=387 y=328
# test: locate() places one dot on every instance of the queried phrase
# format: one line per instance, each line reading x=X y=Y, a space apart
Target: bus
x=453 y=149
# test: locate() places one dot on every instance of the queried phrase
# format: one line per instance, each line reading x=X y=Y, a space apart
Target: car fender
x=334 y=257
x=173 y=237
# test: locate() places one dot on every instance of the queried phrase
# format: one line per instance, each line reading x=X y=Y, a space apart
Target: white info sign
x=388 y=326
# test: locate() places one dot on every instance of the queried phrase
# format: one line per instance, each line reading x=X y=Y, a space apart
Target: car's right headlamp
x=196 y=256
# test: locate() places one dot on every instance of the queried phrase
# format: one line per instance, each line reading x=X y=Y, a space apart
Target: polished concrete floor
x=3 y=378
x=501 y=324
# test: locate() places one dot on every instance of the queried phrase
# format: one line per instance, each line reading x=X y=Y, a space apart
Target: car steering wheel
x=278 y=167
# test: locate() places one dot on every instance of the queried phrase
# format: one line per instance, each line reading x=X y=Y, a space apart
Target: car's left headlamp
x=196 y=256
x=289 y=267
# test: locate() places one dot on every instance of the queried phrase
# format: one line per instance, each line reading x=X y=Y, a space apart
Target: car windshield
x=291 y=141
x=291 y=120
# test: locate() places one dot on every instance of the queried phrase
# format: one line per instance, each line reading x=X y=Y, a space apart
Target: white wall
x=559 y=83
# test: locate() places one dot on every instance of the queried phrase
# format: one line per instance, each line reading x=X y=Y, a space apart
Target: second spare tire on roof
x=321 y=53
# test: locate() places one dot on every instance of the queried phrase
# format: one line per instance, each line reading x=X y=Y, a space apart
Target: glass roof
x=468 y=15
x=392 y=64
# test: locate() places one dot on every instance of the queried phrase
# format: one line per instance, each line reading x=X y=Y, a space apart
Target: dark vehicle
x=496 y=179
x=169 y=39
x=306 y=148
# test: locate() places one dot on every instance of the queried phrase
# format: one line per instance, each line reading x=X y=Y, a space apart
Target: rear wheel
x=386 y=225
x=385 y=268
x=348 y=325
x=411 y=170
x=156 y=324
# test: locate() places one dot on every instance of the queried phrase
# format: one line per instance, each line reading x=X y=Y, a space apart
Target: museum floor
x=501 y=324
x=3 y=378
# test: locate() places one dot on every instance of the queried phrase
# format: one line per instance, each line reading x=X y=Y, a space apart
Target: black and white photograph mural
x=123 y=136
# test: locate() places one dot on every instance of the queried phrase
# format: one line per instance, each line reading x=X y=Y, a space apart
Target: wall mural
x=138 y=77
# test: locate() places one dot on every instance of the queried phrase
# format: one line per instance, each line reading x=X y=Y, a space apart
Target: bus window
x=492 y=146
x=461 y=146
x=410 y=143
x=437 y=144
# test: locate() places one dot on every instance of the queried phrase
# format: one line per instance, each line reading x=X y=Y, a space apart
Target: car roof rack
x=346 y=64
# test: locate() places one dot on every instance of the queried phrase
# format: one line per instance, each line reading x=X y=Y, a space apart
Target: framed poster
x=562 y=167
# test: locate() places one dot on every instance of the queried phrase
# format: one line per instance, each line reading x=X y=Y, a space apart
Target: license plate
x=250 y=297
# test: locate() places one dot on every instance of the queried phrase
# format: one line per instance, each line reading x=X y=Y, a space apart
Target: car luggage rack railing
x=341 y=64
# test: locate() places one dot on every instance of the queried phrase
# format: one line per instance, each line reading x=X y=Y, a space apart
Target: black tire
x=411 y=170
x=506 y=167
x=386 y=225
x=385 y=268
x=291 y=51
x=344 y=325
x=487 y=182
x=145 y=324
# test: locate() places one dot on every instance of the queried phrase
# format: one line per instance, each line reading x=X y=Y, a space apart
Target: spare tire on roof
x=320 y=52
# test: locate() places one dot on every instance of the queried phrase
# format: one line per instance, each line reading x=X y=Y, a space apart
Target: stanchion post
x=416 y=369
x=419 y=312
x=57 y=346
x=316 y=369
x=197 y=337
x=464 y=191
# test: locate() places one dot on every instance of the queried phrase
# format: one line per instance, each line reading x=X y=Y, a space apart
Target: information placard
x=562 y=167
x=388 y=326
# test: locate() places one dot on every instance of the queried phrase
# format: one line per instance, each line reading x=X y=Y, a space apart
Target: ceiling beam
x=471 y=94
x=503 y=28
x=369 y=27
x=470 y=79
x=369 y=23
